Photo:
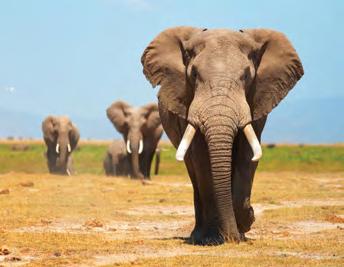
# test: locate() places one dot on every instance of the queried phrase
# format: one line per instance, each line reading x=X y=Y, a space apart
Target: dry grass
x=90 y=220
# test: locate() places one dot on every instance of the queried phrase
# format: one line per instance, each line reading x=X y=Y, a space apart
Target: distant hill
x=300 y=121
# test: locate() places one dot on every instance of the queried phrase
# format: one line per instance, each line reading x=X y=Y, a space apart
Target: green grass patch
x=89 y=159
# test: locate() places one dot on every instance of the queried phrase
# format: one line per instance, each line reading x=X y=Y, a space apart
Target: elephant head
x=61 y=137
x=219 y=82
x=138 y=127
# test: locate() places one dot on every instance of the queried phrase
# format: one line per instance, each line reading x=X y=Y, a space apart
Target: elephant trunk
x=219 y=119
x=134 y=148
x=62 y=149
x=219 y=134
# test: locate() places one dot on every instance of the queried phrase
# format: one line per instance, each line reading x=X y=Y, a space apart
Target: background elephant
x=117 y=161
x=141 y=129
x=217 y=87
x=61 y=137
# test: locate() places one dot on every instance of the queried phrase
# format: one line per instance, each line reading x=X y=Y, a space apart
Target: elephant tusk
x=57 y=149
x=185 y=143
x=140 y=146
x=253 y=141
x=69 y=148
x=128 y=147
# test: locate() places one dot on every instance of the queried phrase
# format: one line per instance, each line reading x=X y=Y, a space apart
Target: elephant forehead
x=219 y=38
x=63 y=119
x=134 y=114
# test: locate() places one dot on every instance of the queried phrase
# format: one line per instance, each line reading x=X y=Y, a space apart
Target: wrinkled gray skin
x=117 y=161
x=58 y=133
x=135 y=124
x=219 y=81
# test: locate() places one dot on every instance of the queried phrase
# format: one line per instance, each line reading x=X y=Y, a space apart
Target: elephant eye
x=193 y=73
x=187 y=56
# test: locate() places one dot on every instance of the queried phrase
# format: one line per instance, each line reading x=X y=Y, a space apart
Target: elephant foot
x=196 y=235
x=245 y=218
x=243 y=238
x=137 y=177
x=213 y=238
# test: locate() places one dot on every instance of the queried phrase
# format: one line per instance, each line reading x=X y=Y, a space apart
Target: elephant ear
x=74 y=136
x=49 y=135
x=279 y=68
x=117 y=115
x=163 y=65
x=152 y=116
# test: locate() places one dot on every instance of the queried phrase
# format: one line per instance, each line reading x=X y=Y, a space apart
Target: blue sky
x=75 y=57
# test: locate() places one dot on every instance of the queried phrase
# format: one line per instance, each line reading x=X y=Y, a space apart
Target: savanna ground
x=93 y=220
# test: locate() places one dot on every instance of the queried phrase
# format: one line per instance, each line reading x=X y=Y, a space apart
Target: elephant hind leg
x=108 y=166
x=157 y=161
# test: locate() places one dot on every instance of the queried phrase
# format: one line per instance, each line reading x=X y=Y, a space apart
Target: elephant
x=217 y=87
x=141 y=130
x=117 y=161
x=61 y=137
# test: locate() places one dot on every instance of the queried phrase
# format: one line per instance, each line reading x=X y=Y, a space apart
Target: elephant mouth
x=191 y=131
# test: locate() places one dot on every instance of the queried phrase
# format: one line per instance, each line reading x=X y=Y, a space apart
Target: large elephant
x=217 y=88
x=141 y=129
x=61 y=137
x=117 y=160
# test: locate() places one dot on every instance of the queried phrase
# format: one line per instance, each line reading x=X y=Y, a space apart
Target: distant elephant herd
x=217 y=88
x=141 y=130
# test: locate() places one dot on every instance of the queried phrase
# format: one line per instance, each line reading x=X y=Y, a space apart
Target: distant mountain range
x=300 y=121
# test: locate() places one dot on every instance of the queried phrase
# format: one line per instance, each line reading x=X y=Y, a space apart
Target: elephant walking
x=141 y=130
x=117 y=161
x=217 y=88
x=61 y=137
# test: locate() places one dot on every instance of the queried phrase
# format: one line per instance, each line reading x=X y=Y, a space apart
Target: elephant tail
x=157 y=161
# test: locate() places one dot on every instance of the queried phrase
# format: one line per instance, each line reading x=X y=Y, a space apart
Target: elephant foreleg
x=107 y=166
x=196 y=233
x=146 y=161
x=207 y=231
x=242 y=179
x=149 y=163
